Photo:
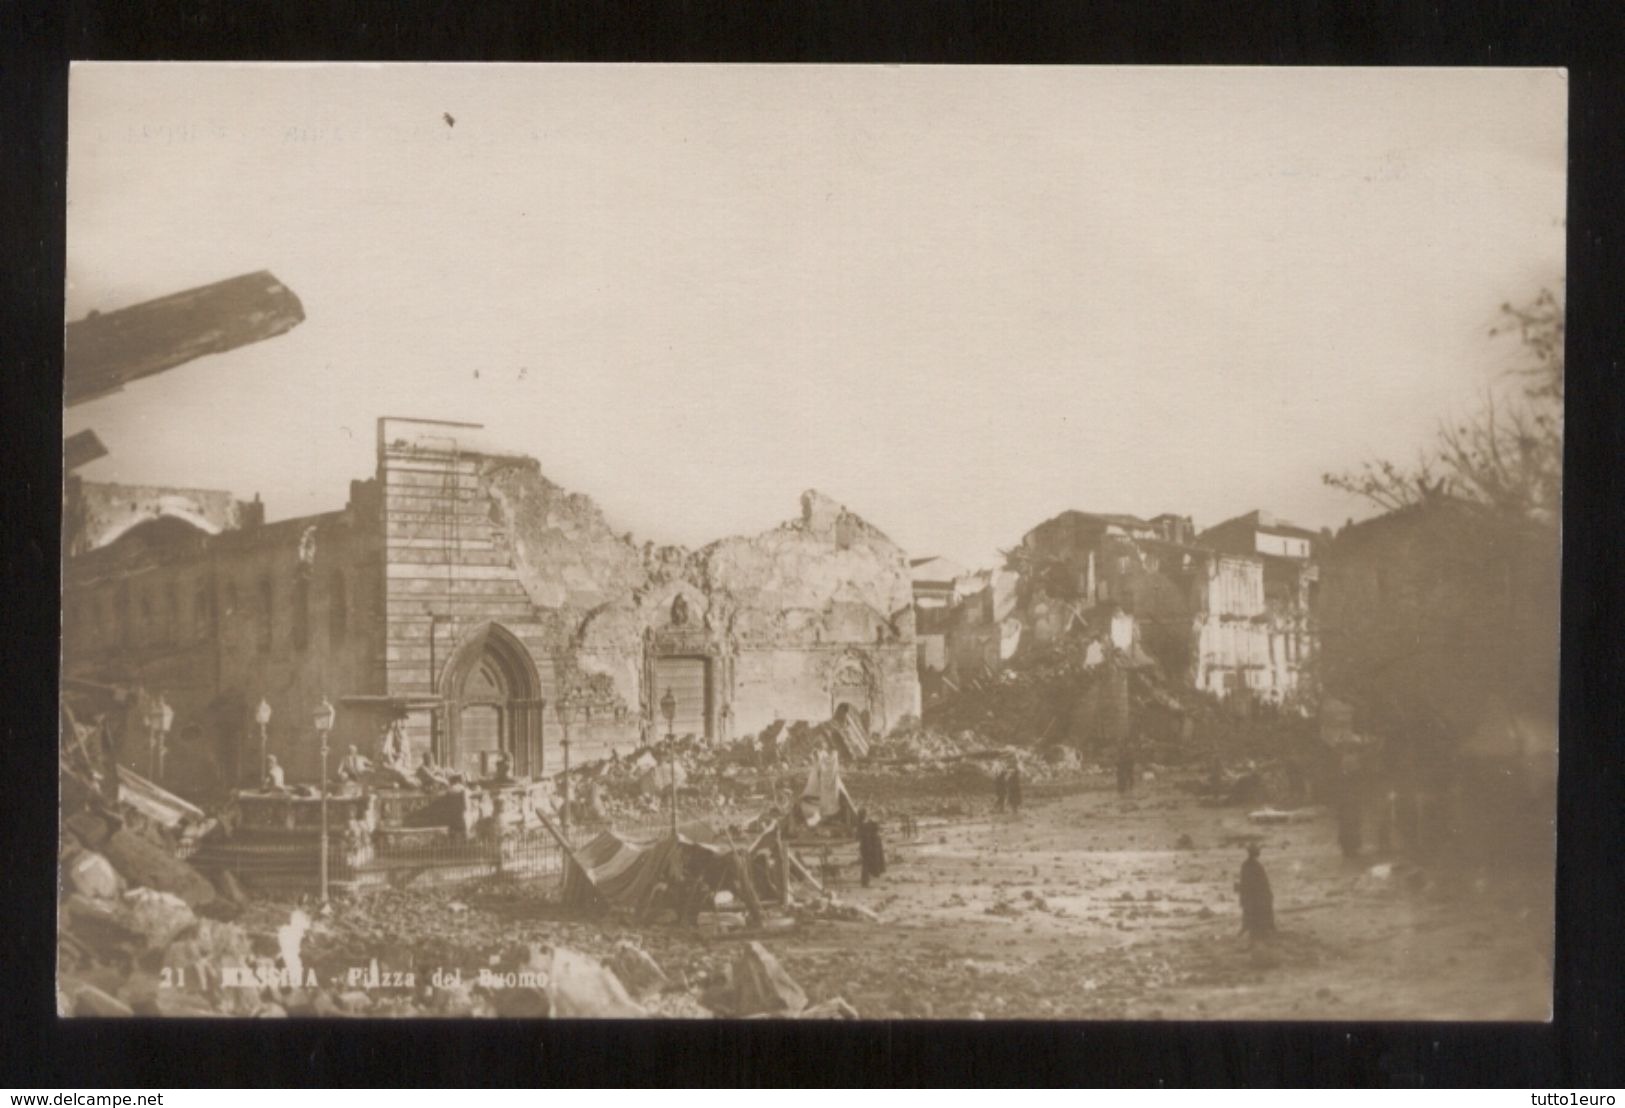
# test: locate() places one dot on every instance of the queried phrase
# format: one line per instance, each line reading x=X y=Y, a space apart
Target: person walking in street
x=871 y=851
x=1257 y=900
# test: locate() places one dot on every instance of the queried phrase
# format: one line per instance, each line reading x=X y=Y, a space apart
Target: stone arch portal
x=855 y=685
x=493 y=705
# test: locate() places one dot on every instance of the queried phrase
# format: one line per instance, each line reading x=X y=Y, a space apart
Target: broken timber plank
x=782 y=855
x=81 y=449
x=805 y=874
x=747 y=886
x=106 y=351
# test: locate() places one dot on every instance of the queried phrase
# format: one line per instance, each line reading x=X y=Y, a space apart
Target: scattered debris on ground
x=1087 y=904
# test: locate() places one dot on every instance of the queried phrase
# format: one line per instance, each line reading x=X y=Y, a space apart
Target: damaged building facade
x=498 y=612
x=1282 y=575
x=964 y=622
x=96 y=513
x=1217 y=611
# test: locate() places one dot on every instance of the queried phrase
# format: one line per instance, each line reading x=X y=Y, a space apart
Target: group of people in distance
x=1007 y=789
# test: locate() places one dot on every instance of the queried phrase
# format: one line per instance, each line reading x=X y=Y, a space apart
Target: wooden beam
x=104 y=352
x=781 y=854
x=804 y=873
x=81 y=449
x=747 y=887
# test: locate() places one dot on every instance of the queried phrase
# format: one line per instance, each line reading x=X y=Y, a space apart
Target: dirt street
x=1093 y=906
x=1085 y=906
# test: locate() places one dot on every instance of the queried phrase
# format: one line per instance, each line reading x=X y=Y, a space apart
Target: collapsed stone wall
x=564 y=551
x=826 y=577
x=1205 y=616
x=777 y=613
x=283 y=612
x=102 y=511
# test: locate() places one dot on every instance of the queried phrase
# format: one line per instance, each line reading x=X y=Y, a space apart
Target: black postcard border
x=1577 y=1051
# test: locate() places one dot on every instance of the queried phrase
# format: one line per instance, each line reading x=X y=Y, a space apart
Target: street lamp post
x=564 y=723
x=668 y=708
x=324 y=726
x=262 y=716
x=151 y=720
x=586 y=716
x=166 y=716
x=159 y=718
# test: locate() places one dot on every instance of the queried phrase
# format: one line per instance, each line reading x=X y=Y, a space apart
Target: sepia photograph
x=811 y=542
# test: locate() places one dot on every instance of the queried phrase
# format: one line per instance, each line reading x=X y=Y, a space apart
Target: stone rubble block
x=582 y=988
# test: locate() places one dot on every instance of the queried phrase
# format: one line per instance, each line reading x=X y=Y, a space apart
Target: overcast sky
x=958 y=300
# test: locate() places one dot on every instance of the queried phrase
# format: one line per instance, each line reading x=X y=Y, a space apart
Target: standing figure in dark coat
x=1349 y=800
x=1012 y=788
x=1125 y=769
x=1001 y=787
x=871 y=851
x=1257 y=901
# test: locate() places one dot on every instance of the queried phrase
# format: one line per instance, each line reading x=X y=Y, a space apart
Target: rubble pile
x=733 y=781
x=1026 y=703
x=737 y=782
x=929 y=758
x=916 y=743
x=395 y=954
x=794 y=744
x=639 y=784
x=136 y=951
x=1049 y=700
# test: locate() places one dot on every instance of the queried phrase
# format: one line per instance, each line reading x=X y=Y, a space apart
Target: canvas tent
x=622 y=873
x=681 y=870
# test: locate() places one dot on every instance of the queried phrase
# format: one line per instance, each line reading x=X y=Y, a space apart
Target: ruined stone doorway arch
x=854 y=686
x=493 y=705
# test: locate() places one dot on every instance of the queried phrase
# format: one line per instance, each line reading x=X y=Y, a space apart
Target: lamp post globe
x=324 y=716
x=165 y=718
x=154 y=719
x=262 y=716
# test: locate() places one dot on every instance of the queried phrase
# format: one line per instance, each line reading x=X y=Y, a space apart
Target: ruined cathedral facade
x=500 y=613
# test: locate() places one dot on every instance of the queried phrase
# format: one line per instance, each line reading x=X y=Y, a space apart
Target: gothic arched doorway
x=493 y=705
x=853 y=690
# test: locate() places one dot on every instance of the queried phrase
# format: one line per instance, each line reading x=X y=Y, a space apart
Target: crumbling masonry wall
x=284 y=612
x=788 y=623
x=817 y=610
x=101 y=511
x=1223 y=622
